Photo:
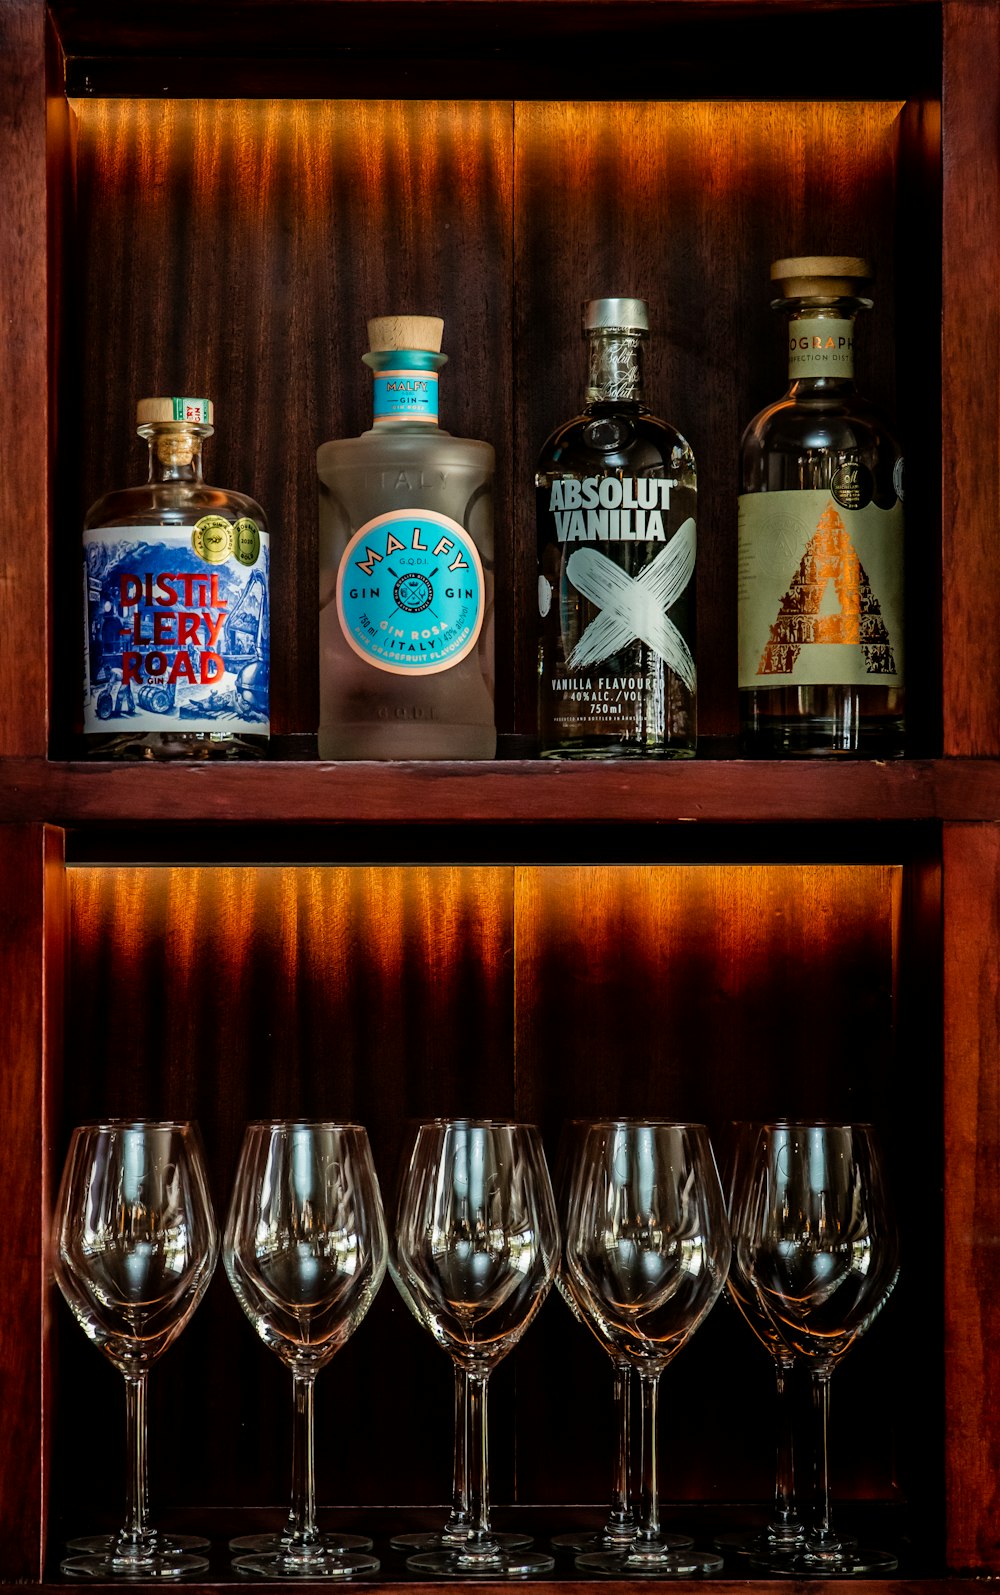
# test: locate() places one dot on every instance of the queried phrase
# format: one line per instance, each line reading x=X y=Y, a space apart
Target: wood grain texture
x=685 y=205
x=410 y=799
x=971 y=860
x=970 y=379
x=236 y=249
x=24 y=437
x=31 y=948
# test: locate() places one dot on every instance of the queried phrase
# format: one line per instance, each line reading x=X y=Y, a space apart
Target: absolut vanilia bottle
x=406 y=569
x=821 y=539
x=176 y=605
x=616 y=499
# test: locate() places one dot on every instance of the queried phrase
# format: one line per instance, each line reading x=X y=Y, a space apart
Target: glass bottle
x=176 y=605
x=616 y=501
x=406 y=569
x=821 y=539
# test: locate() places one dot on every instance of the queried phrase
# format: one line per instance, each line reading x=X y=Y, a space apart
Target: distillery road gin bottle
x=821 y=539
x=176 y=605
x=406 y=569
x=616 y=498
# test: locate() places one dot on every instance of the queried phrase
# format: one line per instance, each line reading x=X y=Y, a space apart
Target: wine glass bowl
x=474 y=1251
x=647 y=1250
x=816 y=1238
x=305 y=1253
x=134 y=1246
x=785 y=1532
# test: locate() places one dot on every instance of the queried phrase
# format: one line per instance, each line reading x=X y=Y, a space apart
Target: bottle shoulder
x=171 y=504
x=403 y=446
x=821 y=419
x=607 y=439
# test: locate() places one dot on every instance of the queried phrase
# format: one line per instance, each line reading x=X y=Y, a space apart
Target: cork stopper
x=149 y=412
x=814 y=276
x=405 y=332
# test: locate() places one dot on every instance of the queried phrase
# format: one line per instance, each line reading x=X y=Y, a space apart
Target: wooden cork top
x=807 y=276
x=405 y=332
x=199 y=412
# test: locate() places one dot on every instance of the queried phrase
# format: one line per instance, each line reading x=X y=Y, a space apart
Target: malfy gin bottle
x=616 y=498
x=176 y=605
x=821 y=539
x=406 y=569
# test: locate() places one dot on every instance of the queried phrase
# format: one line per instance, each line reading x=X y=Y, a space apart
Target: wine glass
x=816 y=1238
x=454 y=1532
x=620 y=1524
x=771 y=1546
x=474 y=1252
x=305 y=1251
x=647 y=1250
x=134 y=1246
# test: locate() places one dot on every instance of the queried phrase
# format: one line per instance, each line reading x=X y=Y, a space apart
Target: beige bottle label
x=820 y=591
x=820 y=347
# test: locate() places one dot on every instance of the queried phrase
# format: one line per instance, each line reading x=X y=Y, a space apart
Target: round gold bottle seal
x=212 y=539
x=246 y=535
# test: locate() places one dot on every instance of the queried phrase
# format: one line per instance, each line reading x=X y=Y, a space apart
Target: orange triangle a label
x=855 y=616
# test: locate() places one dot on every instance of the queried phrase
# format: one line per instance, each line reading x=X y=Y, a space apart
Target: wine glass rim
x=808 y=1124
x=469 y=1121
x=305 y=1124
x=641 y=1124
x=136 y=1122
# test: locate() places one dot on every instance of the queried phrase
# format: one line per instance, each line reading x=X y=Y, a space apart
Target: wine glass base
x=309 y=1562
x=762 y=1549
x=437 y=1540
x=598 y=1540
x=636 y=1563
x=271 y=1544
x=165 y=1544
x=484 y=1564
x=855 y=1562
x=105 y=1566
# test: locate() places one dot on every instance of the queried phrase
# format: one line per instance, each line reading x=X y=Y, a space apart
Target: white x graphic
x=635 y=607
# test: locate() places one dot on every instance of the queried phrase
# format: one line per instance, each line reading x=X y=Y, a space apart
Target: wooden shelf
x=717 y=792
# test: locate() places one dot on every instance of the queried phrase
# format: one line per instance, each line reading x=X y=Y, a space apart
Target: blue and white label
x=405 y=396
x=410 y=592
x=176 y=627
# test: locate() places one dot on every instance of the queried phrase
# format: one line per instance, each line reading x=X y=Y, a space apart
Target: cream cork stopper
x=405 y=332
x=808 y=276
x=199 y=411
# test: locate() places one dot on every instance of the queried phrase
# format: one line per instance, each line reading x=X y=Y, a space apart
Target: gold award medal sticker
x=212 y=539
x=246 y=536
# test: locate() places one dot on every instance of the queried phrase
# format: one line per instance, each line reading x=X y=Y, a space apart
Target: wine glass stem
x=620 y=1515
x=821 y=1533
x=303 y=1514
x=478 y=1456
x=649 y=1502
x=786 y=1519
x=458 y=1520
x=136 y=1527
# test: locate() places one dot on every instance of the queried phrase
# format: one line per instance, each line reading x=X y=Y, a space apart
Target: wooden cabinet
x=212 y=199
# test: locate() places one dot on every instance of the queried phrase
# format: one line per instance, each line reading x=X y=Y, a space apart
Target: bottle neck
x=615 y=366
x=820 y=342
x=405 y=388
x=175 y=451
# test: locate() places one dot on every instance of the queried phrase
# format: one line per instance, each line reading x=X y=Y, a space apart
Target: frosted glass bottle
x=406 y=569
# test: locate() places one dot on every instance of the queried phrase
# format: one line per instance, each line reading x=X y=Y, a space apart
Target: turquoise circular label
x=410 y=592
